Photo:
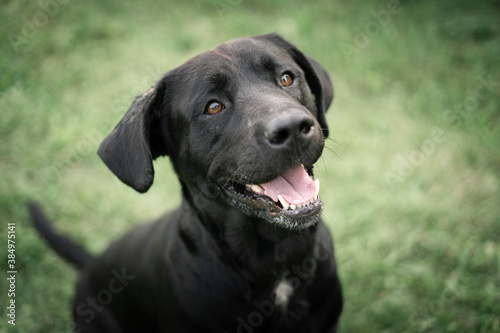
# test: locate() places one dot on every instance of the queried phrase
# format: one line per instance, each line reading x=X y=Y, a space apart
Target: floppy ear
x=323 y=91
x=317 y=78
x=130 y=148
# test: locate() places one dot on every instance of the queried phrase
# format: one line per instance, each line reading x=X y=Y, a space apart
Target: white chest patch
x=283 y=292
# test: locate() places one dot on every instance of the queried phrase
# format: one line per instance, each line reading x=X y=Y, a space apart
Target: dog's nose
x=282 y=131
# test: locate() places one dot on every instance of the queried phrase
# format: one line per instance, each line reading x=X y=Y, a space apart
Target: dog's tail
x=64 y=246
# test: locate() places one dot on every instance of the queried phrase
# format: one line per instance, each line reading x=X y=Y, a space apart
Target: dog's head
x=242 y=123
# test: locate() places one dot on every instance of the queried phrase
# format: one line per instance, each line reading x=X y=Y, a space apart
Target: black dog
x=246 y=252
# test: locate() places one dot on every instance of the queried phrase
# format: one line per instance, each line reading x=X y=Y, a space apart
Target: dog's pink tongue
x=295 y=186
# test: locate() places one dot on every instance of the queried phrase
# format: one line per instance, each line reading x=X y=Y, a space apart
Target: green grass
x=410 y=179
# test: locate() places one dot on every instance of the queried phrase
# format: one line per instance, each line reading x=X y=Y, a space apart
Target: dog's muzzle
x=290 y=200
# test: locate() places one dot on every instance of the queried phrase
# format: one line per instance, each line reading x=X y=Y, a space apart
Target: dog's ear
x=130 y=148
x=323 y=92
x=317 y=78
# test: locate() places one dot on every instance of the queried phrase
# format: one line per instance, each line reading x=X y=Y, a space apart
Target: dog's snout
x=282 y=131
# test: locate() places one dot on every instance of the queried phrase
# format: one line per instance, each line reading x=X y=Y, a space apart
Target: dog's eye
x=286 y=80
x=214 y=107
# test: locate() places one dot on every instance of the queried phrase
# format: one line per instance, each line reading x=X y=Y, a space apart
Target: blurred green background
x=410 y=177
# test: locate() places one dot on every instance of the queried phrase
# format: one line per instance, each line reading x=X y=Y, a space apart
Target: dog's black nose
x=283 y=130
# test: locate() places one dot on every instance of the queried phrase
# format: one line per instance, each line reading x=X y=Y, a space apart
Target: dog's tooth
x=284 y=203
x=317 y=183
x=315 y=197
x=257 y=189
x=293 y=207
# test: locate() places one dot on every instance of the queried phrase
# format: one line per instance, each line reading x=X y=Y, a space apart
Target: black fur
x=224 y=261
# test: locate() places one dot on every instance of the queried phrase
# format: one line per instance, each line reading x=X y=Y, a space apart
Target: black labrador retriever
x=247 y=251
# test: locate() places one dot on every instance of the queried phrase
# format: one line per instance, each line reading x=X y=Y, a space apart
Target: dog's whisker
x=334 y=152
x=338 y=142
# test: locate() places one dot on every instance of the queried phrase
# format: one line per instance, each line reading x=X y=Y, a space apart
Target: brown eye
x=286 y=80
x=214 y=107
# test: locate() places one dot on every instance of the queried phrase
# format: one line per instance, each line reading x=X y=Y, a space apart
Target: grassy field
x=410 y=179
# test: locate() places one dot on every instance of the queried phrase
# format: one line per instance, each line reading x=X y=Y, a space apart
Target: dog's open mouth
x=290 y=199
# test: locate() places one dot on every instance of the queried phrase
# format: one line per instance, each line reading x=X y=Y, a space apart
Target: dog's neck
x=251 y=241
x=213 y=212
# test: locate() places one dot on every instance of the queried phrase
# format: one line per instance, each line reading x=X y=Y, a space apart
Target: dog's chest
x=282 y=294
